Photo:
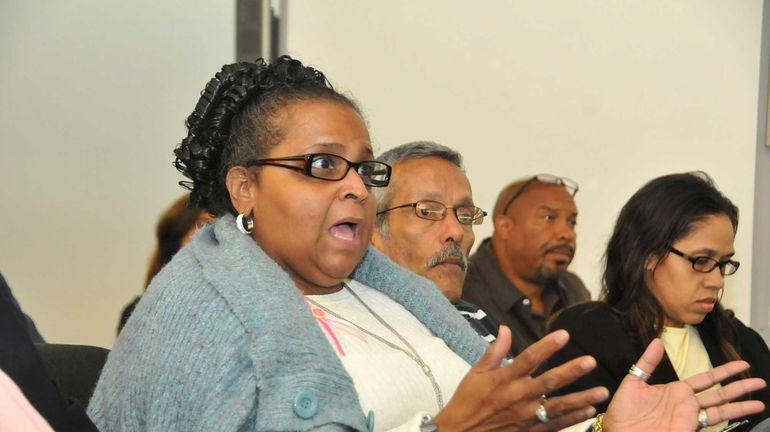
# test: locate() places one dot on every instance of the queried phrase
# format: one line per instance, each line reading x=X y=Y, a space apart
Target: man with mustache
x=519 y=275
x=425 y=221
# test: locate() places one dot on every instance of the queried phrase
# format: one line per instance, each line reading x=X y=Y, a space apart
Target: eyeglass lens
x=706 y=265
x=333 y=167
x=433 y=210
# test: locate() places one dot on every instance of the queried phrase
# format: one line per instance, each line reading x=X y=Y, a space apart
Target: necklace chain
x=411 y=352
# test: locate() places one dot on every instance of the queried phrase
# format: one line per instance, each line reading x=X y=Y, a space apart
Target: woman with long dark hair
x=665 y=266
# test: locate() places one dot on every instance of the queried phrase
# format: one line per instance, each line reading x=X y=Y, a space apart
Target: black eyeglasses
x=435 y=211
x=331 y=167
x=569 y=185
x=704 y=264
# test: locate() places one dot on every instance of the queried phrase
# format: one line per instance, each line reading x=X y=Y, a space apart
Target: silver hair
x=404 y=152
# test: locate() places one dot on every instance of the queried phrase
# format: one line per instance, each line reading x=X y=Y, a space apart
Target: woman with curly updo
x=280 y=317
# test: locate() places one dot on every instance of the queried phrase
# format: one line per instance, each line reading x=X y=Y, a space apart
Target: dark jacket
x=490 y=289
x=20 y=361
x=596 y=329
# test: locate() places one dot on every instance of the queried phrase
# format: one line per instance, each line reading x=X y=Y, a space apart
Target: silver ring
x=638 y=372
x=703 y=418
x=541 y=414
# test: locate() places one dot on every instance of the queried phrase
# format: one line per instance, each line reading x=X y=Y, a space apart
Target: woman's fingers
x=715 y=401
x=496 y=352
x=562 y=405
x=535 y=354
x=734 y=410
x=565 y=420
x=729 y=392
x=567 y=410
x=558 y=377
x=704 y=380
x=510 y=397
x=649 y=359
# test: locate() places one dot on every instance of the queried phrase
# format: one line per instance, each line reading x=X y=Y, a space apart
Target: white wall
x=760 y=275
x=610 y=94
x=93 y=98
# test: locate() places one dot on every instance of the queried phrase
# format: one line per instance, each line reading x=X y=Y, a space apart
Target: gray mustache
x=450 y=251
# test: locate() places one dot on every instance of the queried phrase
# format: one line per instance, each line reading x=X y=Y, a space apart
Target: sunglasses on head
x=568 y=184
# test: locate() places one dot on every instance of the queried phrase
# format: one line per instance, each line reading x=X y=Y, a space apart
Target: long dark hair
x=662 y=212
x=234 y=121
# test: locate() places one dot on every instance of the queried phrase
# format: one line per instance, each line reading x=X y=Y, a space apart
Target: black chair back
x=74 y=368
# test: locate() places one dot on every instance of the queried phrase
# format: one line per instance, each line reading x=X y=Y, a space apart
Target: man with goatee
x=519 y=276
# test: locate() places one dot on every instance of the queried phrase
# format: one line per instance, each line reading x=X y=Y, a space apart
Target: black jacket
x=595 y=329
x=20 y=361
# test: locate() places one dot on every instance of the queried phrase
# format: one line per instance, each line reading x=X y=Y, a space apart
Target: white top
x=689 y=357
x=16 y=413
x=388 y=382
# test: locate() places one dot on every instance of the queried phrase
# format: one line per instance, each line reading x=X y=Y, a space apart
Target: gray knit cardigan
x=224 y=341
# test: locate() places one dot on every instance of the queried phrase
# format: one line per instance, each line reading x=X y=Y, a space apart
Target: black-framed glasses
x=569 y=185
x=327 y=166
x=436 y=211
x=704 y=264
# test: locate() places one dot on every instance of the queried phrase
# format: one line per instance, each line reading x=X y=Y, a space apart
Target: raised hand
x=637 y=406
x=495 y=397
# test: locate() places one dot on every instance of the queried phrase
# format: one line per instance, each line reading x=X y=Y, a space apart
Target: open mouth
x=345 y=230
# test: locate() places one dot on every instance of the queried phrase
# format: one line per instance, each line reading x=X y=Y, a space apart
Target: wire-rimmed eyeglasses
x=436 y=211
x=569 y=185
x=331 y=167
x=704 y=264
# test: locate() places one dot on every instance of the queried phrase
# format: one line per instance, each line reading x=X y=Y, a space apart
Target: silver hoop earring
x=244 y=223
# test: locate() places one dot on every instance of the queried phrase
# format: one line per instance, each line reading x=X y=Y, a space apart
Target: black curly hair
x=234 y=122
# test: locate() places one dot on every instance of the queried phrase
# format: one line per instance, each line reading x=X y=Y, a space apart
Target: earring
x=244 y=223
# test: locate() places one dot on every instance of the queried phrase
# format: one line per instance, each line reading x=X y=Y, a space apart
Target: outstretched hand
x=497 y=397
x=638 y=406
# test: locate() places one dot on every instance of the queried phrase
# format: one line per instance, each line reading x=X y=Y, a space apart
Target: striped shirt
x=478 y=319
